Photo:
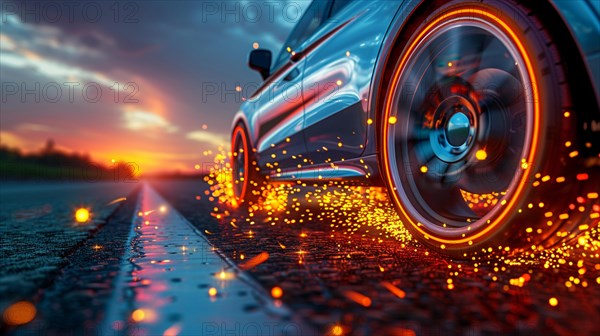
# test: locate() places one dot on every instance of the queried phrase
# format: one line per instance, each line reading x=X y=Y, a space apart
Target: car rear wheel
x=478 y=126
x=246 y=178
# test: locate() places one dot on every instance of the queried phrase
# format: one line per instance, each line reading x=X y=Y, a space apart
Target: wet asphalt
x=329 y=282
x=49 y=259
x=320 y=272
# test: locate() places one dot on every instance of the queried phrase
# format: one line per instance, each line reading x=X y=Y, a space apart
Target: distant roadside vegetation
x=52 y=164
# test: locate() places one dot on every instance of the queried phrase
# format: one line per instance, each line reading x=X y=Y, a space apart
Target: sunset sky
x=59 y=63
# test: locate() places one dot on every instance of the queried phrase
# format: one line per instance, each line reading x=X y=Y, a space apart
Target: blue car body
x=315 y=116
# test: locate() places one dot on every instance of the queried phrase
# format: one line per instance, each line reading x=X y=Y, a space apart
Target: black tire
x=549 y=193
x=246 y=178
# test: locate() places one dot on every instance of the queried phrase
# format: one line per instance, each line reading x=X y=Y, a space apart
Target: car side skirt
x=359 y=171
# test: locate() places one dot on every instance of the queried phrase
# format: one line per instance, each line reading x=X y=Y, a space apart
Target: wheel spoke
x=423 y=153
x=448 y=205
x=487 y=179
x=499 y=84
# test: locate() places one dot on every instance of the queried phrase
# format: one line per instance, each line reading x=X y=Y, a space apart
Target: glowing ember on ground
x=255 y=261
x=223 y=275
x=82 y=215
x=276 y=292
x=138 y=315
x=144 y=315
x=19 y=313
x=359 y=298
x=337 y=330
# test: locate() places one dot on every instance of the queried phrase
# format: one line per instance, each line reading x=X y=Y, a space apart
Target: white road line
x=166 y=275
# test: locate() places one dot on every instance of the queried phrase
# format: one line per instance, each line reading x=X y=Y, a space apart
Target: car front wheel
x=478 y=133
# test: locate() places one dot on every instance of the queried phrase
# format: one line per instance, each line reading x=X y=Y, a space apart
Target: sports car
x=481 y=118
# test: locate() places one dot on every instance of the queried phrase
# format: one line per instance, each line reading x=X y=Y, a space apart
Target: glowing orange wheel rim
x=460 y=127
x=239 y=163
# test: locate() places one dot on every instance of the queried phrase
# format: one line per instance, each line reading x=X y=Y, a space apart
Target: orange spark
x=359 y=298
x=395 y=290
x=255 y=261
x=276 y=292
x=82 y=215
x=121 y=199
x=19 y=313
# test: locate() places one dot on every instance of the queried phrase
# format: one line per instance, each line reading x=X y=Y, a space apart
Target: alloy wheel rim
x=463 y=126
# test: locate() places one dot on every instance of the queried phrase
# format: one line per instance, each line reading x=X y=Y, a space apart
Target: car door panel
x=279 y=117
x=279 y=105
x=337 y=79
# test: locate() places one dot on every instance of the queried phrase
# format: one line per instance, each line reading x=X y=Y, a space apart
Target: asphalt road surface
x=171 y=260
x=39 y=233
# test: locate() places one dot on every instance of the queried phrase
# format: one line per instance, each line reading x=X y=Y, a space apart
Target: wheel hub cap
x=454 y=129
x=458 y=129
